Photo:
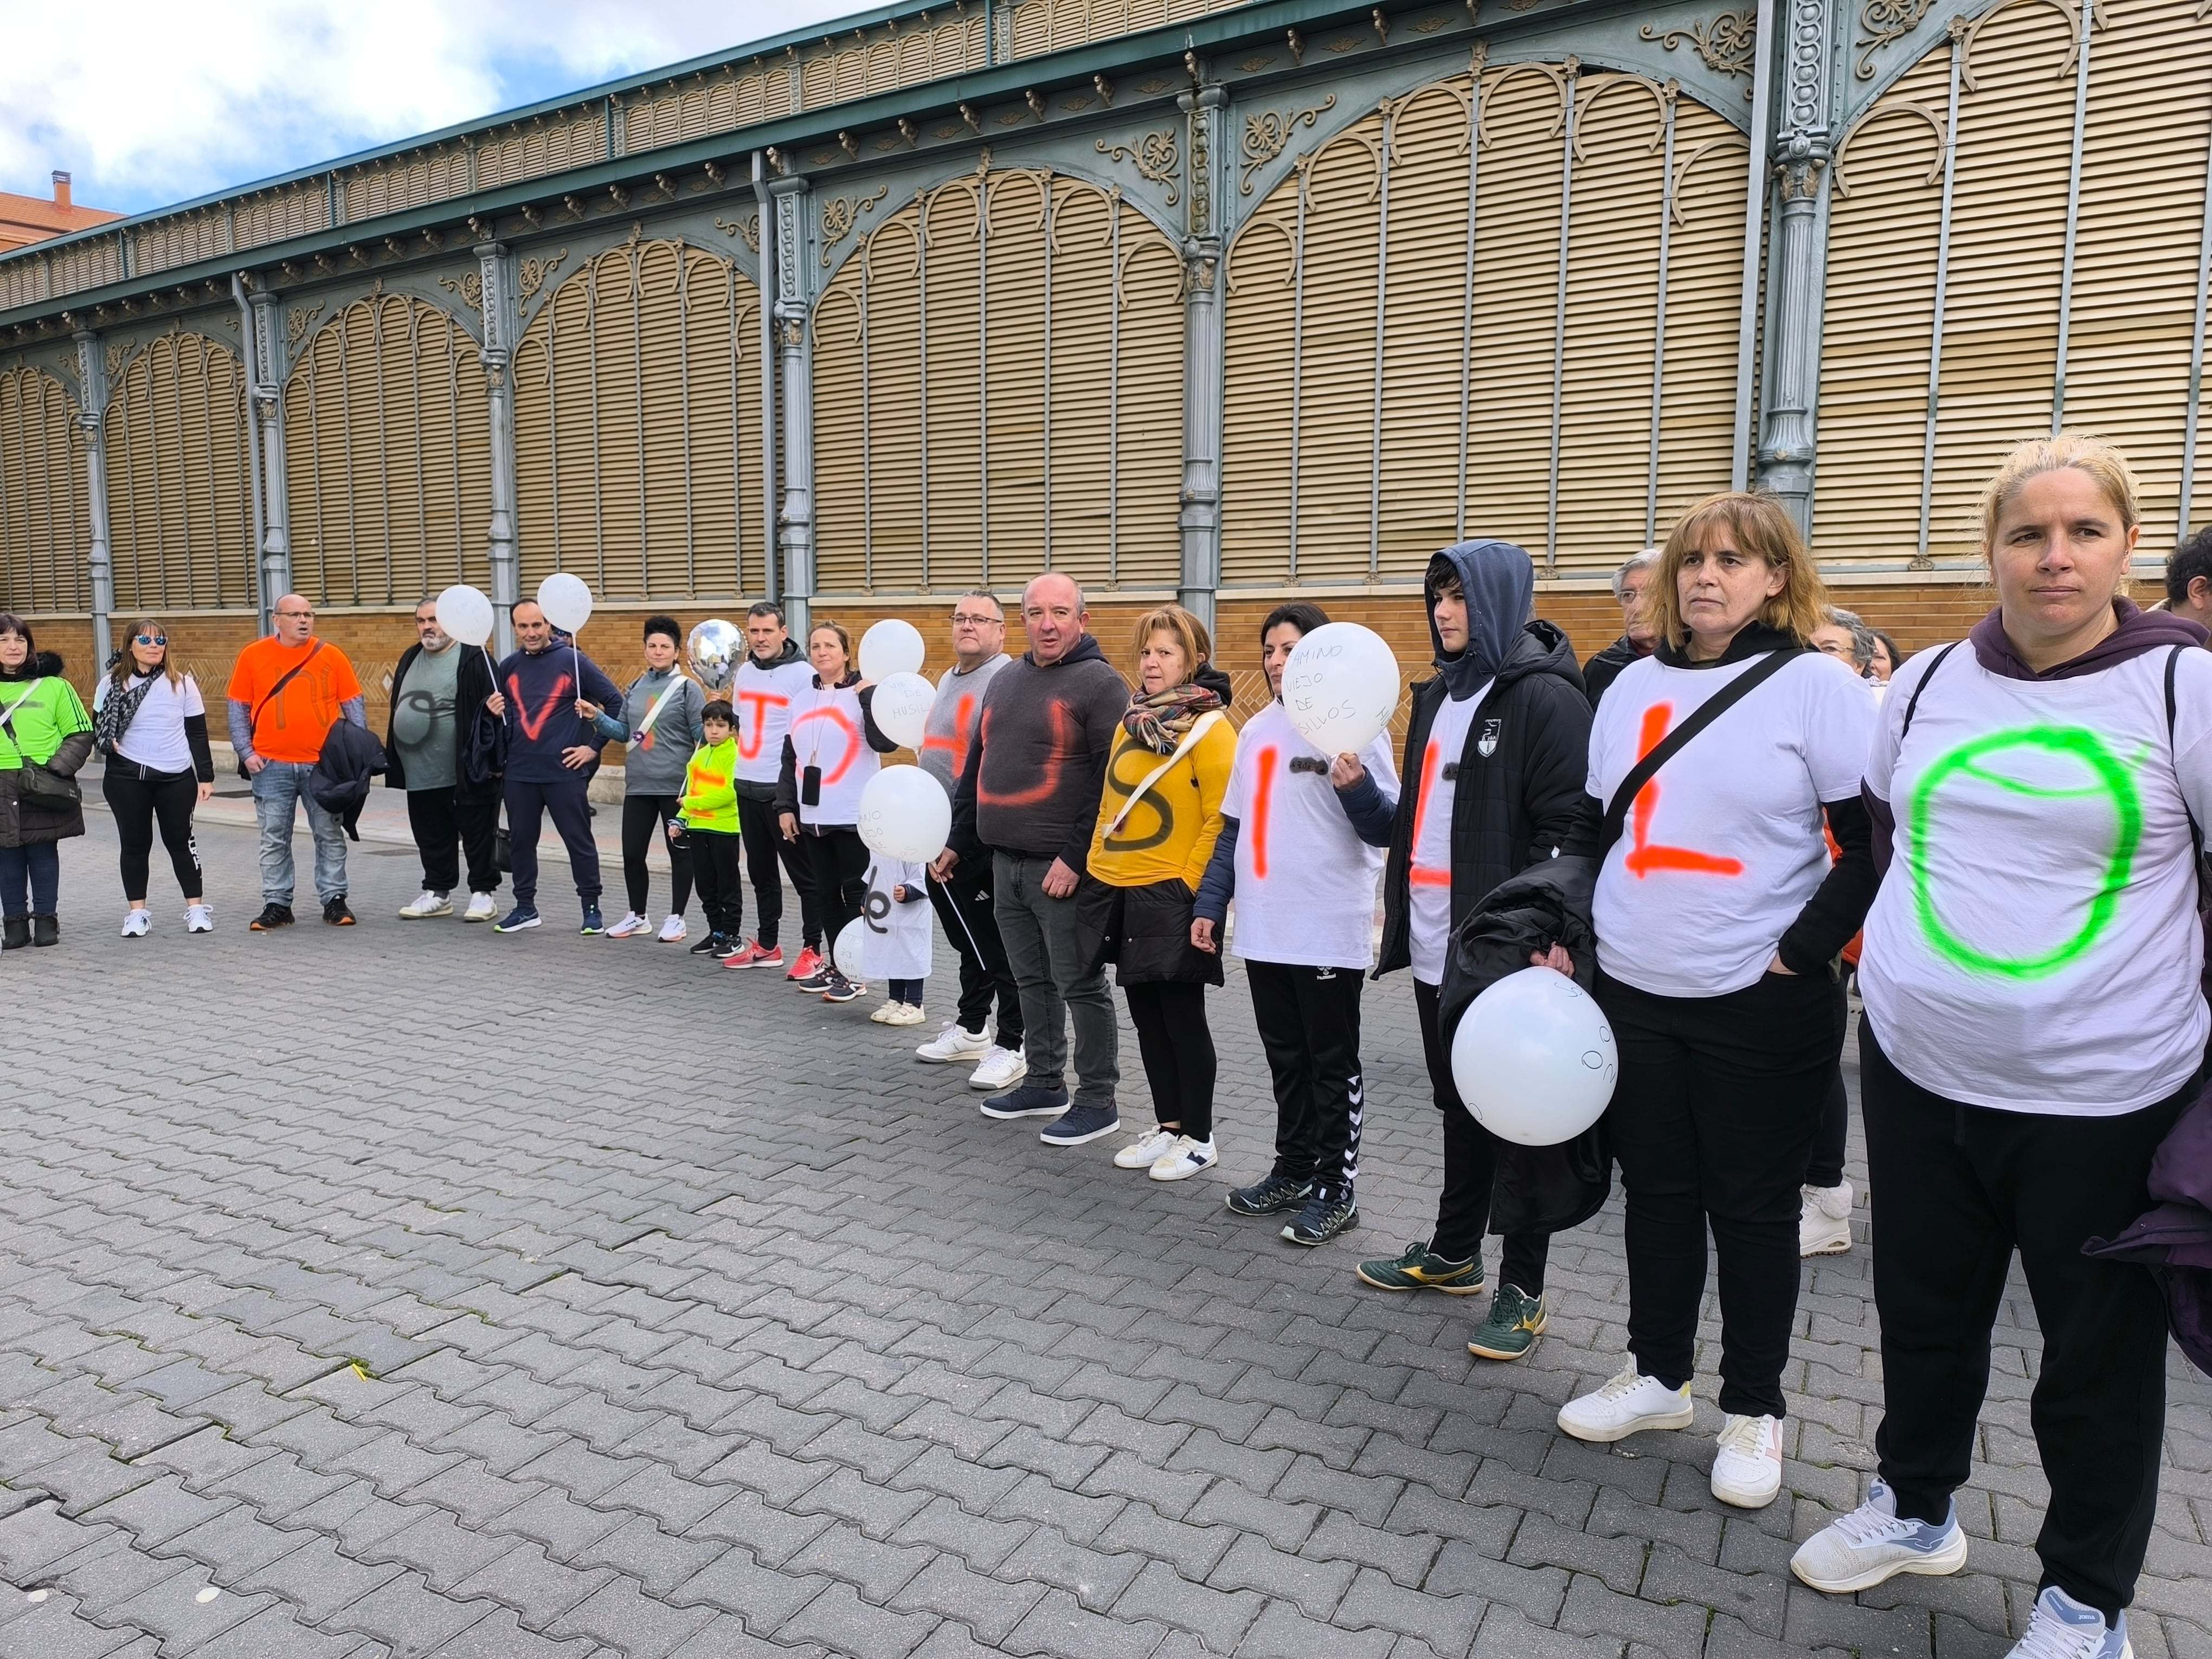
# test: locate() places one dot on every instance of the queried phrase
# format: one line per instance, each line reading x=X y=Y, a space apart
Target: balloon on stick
x=905 y=814
x=567 y=602
x=1533 y=1058
x=1341 y=687
x=849 y=951
x=900 y=705
x=893 y=645
x=466 y=615
x=715 y=648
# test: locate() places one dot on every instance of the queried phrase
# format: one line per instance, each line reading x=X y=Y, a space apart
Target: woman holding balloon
x=1718 y=916
x=661 y=715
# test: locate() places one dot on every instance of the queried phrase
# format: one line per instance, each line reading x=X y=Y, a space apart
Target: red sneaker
x=808 y=965
x=753 y=957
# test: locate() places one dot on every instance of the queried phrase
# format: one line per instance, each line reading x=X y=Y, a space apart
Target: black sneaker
x=838 y=988
x=1277 y=1192
x=272 y=917
x=336 y=913
x=710 y=946
x=1031 y=1100
x=1322 y=1219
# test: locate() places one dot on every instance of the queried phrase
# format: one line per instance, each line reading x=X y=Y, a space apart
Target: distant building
x=26 y=219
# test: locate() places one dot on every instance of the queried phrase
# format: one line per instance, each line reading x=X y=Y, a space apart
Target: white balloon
x=901 y=704
x=1533 y=1058
x=905 y=814
x=466 y=614
x=893 y=645
x=566 y=601
x=850 y=949
x=1341 y=687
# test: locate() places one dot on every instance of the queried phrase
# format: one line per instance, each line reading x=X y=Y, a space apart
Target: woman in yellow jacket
x=1159 y=815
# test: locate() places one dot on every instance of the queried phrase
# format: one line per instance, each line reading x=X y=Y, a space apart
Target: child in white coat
x=899 y=943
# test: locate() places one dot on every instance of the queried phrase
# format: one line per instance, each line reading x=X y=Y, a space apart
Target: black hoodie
x=1036 y=769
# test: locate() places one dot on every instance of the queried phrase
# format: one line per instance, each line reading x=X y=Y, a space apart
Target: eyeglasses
x=959 y=620
x=296 y=616
x=153 y=639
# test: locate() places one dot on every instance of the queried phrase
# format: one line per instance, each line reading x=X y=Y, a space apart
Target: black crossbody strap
x=1913 y=704
x=2172 y=707
x=1616 y=812
x=289 y=675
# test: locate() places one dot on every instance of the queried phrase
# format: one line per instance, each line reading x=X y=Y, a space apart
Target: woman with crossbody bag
x=1159 y=815
x=662 y=708
x=45 y=735
x=150 y=721
x=1718 y=916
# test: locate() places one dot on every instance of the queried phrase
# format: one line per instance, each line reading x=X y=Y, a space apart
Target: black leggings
x=840 y=860
x=1826 y=1168
x=645 y=819
x=138 y=795
x=1172 y=1035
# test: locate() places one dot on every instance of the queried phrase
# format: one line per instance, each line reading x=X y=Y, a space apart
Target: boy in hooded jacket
x=1497 y=755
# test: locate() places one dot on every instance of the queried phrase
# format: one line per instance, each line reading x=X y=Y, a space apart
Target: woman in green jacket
x=41 y=723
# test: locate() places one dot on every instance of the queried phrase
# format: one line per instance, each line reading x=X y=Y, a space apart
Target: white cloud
x=148 y=104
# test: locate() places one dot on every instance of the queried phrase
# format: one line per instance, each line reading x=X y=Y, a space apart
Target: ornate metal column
x=91 y=417
x=1205 y=109
x=496 y=303
x=794 y=292
x=1803 y=148
x=267 y=390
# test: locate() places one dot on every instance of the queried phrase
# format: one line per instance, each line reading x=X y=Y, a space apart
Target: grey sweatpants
x=1054 y=982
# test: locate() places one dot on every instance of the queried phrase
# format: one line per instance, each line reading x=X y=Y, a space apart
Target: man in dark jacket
x=1497 y=755
x=1637 y=635
x=438 y=696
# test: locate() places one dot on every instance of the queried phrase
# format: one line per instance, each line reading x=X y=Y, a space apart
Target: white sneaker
x=199 y=919
x=631 y=925
x=2062 y=1628
x=1824 y=1221
x=136 y=924
x=1747 y=1468
x=887 y=1015
x=907 y=1013
x=482 y=908
x=673 y=932
x=954 y=1042
x=1146 y=1150
x=429 y=904
x=1871 y=1545
x=1184 y=1159
x=1626 y=1405
x=1000 y=1069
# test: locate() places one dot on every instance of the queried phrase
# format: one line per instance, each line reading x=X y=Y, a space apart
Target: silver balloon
x=716 y=647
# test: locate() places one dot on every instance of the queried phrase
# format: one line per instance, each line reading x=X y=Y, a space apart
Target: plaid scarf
x=1163 y=719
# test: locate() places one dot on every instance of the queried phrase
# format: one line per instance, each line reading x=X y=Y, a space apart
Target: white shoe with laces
x=1747 y=1468
x=428 y=905
x=1184 y=1159
x=1628 y=1404
x=1872 y=1544
x=2062 y=1628
x=1824 y=1221
x=999 y=1068
x=199 y=919
x=954 y=1042
x=136 y=924
x=629 y=926
x=482 y=908
x=1146 y=1150
x=673 y=930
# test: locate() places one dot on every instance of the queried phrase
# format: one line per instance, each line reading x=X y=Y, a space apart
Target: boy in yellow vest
x=708 y=820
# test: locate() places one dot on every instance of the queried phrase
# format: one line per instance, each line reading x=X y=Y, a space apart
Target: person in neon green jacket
x=707 y=818
x=43 y=723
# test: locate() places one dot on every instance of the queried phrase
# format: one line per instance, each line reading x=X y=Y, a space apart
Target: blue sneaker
x=2062 y=1628
x=1031 y=1100
x=593 y=923
x=522 y=916
x=1081 y=1123
x=1860 y=1549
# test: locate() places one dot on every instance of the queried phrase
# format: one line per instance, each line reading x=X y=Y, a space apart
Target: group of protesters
x=2002 y=834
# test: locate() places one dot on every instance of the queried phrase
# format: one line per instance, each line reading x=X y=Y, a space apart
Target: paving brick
x=1061 y=1627
x=632 y=1624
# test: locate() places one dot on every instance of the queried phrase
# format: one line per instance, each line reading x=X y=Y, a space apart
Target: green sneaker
x=1516 y=1320
x=1418 y=1269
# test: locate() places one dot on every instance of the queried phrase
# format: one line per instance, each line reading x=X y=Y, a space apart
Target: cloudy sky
x=148 y=104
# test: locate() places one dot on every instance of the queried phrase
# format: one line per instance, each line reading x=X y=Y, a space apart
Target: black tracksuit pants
x=646 y=818
x=1470 y=1169
x=1713 y=1120
x=970 y=919
x=765 y=848
x=138 y=796
x=840 y=861
x=447 y=830
x=528 y=804
x=1309 y=1021
x=713 y=856
x=1178 y=1046
x=1955 y=1190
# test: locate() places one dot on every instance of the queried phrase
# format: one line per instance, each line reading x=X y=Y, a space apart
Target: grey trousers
x=1054 y=981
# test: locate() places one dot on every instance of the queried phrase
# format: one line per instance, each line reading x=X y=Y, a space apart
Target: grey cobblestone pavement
x=413 y=1290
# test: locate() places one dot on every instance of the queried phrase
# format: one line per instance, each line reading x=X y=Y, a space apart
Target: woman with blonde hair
x=1718 y=917
x=2033 y=1027
x=1159 y=815
x=150 y=721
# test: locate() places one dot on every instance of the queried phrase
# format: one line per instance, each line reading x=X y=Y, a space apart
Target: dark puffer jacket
x=1512 y=806
x=57 y=732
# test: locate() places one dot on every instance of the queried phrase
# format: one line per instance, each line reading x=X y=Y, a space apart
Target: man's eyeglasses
x=296 y=616
x=958 y=620
x=153 y=639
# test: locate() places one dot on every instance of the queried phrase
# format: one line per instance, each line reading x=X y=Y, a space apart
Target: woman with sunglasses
x=150 y=721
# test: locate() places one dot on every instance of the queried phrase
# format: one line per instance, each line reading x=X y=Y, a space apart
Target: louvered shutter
x=1148 y=490
x=1336 y=374
x=842 y=358
x=1016 y=312
x=1260 y=317
x=46 y=515
x=177 y=480
x=951 y=245
x=1704 y=293
x=1087 y=420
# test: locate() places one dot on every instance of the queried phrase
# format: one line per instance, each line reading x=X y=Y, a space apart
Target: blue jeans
x=276 y=786
x=38 y=866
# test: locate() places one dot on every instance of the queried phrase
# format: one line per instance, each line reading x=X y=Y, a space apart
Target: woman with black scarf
x=1159 y=815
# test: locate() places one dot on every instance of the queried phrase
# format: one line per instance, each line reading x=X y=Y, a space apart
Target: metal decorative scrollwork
x=749 y=228
x=1728 y=42
x=534 y=273
x=1885 y=22
x=1154 y=156
x=297 y=323
x=1267 y=134
x=469 y=288
x=841 y=213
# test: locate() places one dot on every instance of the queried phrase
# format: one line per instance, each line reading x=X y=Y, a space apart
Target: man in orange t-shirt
x=286 y=693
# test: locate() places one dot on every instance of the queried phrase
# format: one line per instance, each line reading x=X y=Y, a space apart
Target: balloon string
x=953 y=904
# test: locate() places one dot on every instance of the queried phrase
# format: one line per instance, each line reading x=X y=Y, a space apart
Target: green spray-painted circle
x=2113 y=782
